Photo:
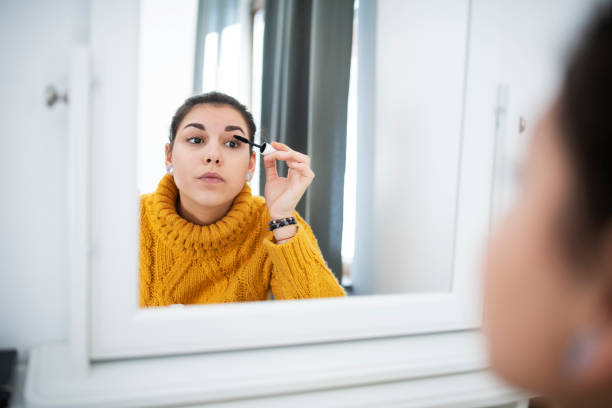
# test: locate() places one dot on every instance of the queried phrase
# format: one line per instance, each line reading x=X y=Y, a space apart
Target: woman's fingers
x=296 y=161
x=302 y=168
x=281 y=146
x=284 y=148
x=270 y=166
x=289 y=156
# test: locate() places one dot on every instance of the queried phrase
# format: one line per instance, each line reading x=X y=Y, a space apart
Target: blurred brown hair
x=585 y=117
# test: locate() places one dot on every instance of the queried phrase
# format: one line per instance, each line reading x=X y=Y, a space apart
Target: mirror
x=401 y=181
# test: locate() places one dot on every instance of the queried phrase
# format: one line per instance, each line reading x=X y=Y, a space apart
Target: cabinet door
x=517 y=56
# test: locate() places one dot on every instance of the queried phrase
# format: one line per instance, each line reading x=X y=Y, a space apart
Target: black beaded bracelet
x=274 y=224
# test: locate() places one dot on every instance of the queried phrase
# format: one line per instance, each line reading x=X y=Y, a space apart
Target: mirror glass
x=410 y=72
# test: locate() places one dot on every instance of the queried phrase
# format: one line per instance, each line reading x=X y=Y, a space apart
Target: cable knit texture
x=232 y=260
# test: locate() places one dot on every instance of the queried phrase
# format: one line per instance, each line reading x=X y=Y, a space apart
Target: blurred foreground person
x=548 y=273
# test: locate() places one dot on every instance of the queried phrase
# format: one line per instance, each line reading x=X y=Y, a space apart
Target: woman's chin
x=214 y=197
x=211 y=201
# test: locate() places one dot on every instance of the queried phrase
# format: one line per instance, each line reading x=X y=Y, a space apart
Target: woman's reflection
x=205 y=239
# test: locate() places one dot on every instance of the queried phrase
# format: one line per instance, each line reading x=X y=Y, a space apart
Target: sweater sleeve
x=298 y=268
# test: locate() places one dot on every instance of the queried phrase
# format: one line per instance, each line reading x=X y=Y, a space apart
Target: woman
x=548 y=278
x=205 y=239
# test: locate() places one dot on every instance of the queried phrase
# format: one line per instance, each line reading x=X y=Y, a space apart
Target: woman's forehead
x=213 y=117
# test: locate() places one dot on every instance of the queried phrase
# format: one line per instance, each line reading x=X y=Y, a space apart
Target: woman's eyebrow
x=195 y=125
x=233 y=127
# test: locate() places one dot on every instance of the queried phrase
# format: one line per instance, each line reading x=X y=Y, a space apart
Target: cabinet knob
x=522 y=124
x=52 y=96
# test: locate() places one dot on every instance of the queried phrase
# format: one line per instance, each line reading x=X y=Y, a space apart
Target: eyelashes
x=194 y=140
x=232 y=144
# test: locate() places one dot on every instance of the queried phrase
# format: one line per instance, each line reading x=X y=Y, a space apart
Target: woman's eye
x=194 y=140
x=231 y=143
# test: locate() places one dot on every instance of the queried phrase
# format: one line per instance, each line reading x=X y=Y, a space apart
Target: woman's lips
x=211 y=178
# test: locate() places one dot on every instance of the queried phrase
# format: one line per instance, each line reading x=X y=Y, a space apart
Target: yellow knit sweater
x=232 y=260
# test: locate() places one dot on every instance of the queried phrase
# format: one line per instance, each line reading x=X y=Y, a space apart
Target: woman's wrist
x=280 y=215
x=285 y=233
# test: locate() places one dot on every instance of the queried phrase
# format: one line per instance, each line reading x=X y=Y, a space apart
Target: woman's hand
x=283 y=193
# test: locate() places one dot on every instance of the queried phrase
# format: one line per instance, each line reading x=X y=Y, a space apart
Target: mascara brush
x=265 y=148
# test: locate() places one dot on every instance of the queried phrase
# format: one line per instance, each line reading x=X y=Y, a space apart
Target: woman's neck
x=199 y=215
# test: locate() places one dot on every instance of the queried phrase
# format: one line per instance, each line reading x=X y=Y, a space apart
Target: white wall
x=418 y=100
x=36 y=37
x=167 y=44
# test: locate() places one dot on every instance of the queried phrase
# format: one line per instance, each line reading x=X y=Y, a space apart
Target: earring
x=170 y=169
x=580 y=352
x=249 y=176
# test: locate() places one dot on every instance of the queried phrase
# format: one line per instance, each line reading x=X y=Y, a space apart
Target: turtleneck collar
x=187 y=234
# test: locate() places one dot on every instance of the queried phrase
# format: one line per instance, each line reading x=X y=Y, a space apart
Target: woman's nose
x=212 y=156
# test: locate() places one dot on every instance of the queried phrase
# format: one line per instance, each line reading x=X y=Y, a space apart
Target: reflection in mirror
x=381 y=215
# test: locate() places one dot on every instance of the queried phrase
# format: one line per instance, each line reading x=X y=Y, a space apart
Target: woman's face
x=210 y=165
x=535 y=299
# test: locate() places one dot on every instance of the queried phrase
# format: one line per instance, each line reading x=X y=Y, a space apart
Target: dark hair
x=585 y=117
x=210 y=98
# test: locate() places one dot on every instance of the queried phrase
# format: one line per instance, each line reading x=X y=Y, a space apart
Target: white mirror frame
x=120 y=329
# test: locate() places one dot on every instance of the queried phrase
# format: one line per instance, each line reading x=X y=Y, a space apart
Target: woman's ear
x=168 y=153
x=592 y=370
x=252 y=162
x=595 y=370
